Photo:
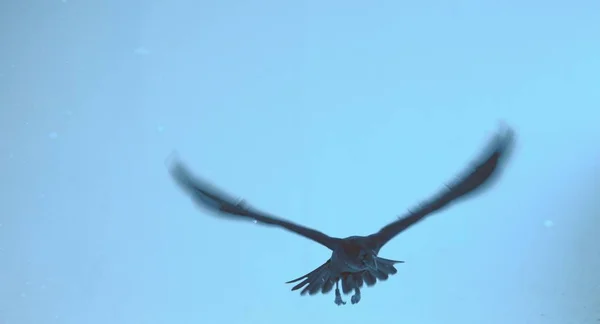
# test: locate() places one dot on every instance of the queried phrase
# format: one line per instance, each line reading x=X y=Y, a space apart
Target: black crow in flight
x=354 y=260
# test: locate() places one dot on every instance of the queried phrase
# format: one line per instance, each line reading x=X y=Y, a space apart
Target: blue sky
x=338 y=115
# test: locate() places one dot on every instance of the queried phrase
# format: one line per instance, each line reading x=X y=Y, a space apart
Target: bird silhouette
x=354 y=260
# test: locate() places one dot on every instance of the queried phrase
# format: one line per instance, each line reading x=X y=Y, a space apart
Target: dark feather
x=318 y=283
x=347 y=283
x=358 y=279
x=380 y=275
x=326 y=264
x=328 y=286
x=387 y=266
x=369 y=279
x=213 y=199
x=311 y=278
x=473 y=180
x=314 y=281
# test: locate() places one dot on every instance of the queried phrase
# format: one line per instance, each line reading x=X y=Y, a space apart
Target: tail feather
x=311 y=278
x=388 y=261
x=369 y=278
x=380 y=275
x=300 y=285
x=316 y=280
x=327 y=286
x=308 y=274
x=320 y=280
x=358 y=279
x=385 y=269
x=308 y=279
x=386 y=266
x=316 y=285
x=348 y=283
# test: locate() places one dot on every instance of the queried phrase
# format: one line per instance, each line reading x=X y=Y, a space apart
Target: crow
x=354 y=260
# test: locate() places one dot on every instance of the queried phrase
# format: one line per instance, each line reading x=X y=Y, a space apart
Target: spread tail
x=318 y=280
x=385 y=268
x=387 y=265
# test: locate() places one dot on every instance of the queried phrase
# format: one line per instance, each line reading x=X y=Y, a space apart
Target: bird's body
x=354 y=260
x=347 y=255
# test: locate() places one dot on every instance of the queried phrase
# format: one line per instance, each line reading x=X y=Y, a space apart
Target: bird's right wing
x=217 y=201
x=477 y=177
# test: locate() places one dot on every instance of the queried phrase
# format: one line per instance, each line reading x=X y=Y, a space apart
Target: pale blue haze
x=334 y=114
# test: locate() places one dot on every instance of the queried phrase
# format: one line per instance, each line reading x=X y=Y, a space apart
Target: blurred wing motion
x=473 y=180
x=213 y=199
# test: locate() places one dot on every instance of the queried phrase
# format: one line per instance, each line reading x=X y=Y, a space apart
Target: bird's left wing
x=474 y=180
x=215 y=200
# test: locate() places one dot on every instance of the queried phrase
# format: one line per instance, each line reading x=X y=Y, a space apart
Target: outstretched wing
x=474 y=180
x=213 y=199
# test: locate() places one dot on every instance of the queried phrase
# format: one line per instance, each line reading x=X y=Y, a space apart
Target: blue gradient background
x=335 y=114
